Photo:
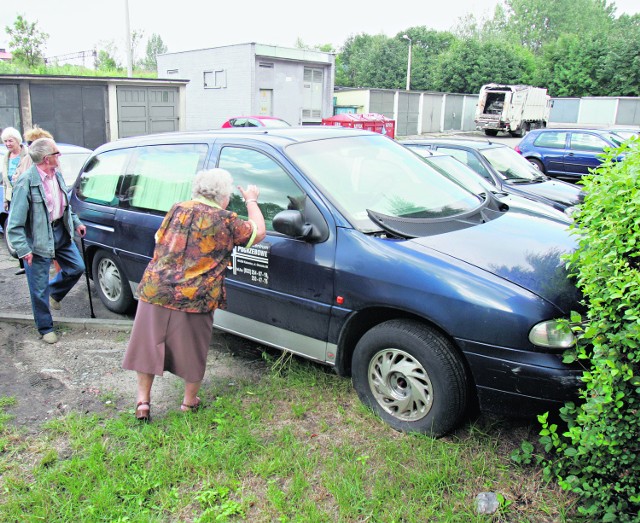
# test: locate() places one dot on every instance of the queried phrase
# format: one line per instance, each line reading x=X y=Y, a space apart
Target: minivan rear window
x=161 y=175
x=152 y=178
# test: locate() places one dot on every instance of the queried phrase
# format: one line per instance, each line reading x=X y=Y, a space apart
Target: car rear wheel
x=112 y=285
x=411 y=376
x=537 y=164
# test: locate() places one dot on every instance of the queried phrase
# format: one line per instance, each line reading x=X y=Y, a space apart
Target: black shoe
x=19 y=272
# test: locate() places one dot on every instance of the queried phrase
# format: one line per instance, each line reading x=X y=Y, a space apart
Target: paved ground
x=14 y=295
x=82 y=372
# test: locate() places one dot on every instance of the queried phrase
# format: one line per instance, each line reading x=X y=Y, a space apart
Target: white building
x=252 y=79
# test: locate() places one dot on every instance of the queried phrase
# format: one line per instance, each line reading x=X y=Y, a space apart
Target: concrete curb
x=84 y=323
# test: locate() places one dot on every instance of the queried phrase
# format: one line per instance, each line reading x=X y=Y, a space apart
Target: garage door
x=147 y=110
x=71 y=113
x=9 y=106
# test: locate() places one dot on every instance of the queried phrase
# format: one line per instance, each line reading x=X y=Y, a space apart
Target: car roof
x=65 y=148
x=70 y=148
x=571 y=129
x=276 y=136
x=462 y=142
x=257 y=117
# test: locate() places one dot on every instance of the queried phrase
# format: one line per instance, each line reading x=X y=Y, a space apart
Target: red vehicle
x=255 y=121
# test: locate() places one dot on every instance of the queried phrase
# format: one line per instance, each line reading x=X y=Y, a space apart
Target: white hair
x=40 y=148
x=213 y=184
x=11 y=132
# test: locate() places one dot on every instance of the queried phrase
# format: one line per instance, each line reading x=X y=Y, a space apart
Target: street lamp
x=406 y=37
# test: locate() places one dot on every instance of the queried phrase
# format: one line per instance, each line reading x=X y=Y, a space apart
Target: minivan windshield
x=362 y=172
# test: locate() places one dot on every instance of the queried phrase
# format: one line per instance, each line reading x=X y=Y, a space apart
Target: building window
x=215 y=79
x=172 y=72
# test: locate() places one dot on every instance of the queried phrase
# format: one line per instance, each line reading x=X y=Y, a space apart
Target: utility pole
x=128 y=39
x=406 y=37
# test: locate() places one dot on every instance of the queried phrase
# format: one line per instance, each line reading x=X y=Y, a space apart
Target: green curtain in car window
x=100 y=182
x=163 y=179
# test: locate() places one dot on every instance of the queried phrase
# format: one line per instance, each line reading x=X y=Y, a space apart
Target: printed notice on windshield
x=251 y=264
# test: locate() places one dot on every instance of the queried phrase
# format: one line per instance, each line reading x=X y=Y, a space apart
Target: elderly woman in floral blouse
x=184 y=284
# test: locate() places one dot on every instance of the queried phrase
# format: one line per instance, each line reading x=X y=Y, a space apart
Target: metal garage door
x=408 y=113
x=71 y=113
x=9 y=106
x=453 y=112
x=146 y=110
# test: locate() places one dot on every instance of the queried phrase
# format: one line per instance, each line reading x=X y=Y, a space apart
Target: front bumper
x=519 y=383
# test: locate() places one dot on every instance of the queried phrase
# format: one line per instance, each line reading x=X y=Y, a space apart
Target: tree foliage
x=537 y=22
x=598 y=454
x=26 y=42
x=469 y=64
x=155 y=46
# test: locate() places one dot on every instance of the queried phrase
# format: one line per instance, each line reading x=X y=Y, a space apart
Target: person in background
x=41 y=228
x=184 y=284
x=16 y=152
x=30 y=136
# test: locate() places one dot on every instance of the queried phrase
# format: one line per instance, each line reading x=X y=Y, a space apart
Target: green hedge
x=597 y=454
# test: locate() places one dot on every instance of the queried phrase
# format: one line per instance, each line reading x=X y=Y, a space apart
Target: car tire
x=111 y=283
x=491 y=132
x=537 y=164
x=411 y=376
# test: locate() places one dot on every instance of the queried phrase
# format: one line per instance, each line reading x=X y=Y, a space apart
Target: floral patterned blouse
x=193 y=248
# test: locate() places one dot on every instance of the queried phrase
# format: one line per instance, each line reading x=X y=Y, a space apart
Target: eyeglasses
x=57 y=153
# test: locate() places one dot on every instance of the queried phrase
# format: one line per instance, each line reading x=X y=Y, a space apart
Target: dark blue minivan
x=432 y=297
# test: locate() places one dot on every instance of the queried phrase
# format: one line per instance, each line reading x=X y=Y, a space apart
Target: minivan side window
x=161 y=175
x=99 y=181
x=278 y=192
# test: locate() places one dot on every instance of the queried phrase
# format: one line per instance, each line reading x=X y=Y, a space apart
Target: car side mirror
x=292 y=223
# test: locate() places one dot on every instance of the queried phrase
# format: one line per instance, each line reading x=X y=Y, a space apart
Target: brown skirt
x=169 y=340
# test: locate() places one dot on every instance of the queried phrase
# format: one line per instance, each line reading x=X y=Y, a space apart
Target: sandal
x=192 y=408
x=143 y=415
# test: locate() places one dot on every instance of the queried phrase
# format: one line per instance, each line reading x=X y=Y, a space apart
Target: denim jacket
x=29 y=229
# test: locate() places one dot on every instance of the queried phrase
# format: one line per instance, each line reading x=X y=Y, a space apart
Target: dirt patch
x=83 y=373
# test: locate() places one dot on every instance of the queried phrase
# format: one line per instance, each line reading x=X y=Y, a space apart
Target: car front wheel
x=411 y=376
x=537 y=164
x=112 y=285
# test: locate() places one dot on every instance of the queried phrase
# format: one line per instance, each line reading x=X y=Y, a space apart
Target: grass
x=295 y=447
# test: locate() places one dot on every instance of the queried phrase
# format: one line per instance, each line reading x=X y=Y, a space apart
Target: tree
x=469 y=64
x=426 y=46
x=105 y=60
x=26 y=42
x=136 y=38
x=372 y=61
x=536 y=22
x=155 y=46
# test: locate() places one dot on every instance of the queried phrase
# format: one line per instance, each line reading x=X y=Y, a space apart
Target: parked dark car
x=255 y=121
x=625 y=132
x=71 y=160
x=505 y=169
x=567 y=153
x=433 y=298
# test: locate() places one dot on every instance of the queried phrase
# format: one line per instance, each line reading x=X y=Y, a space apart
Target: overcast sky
x=79 y=25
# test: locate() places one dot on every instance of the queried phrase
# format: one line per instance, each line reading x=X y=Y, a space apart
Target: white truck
x=515 y=109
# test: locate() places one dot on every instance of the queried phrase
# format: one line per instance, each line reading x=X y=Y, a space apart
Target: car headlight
x=552 y=334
